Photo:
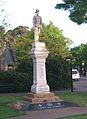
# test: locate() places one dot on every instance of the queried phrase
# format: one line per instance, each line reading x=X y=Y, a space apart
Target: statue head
x=37 y=11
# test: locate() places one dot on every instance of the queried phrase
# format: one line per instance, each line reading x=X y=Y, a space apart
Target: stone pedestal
x=41 y=98
x=39 y=54
x=40 y=91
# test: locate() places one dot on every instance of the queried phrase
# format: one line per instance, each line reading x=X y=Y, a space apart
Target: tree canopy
x=2 y=36
x=56 y=42
x=80 y=56
x=77 y=9
x=21 y=40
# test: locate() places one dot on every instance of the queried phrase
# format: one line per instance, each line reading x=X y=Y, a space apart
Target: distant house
x=6 y=60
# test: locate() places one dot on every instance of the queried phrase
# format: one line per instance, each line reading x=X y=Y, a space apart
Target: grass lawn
x=79 y=98
x=5 y=111
x=75 y=117
x=75 y=97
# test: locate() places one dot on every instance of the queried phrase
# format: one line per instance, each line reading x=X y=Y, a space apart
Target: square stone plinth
x=41 y=97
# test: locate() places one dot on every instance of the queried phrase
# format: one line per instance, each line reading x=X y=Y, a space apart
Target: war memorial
x=40 y=97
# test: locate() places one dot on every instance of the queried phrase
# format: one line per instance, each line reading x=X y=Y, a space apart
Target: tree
x=56 y=42
x=20 y=31
x=22 y=45
x=80 y=56
x=77 y=9
x=2 y=42
x=22 y=42
x=57 y=67
x=2 y=36
x=22 y=48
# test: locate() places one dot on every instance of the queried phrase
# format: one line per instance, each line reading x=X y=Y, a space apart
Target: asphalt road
x=80 y=85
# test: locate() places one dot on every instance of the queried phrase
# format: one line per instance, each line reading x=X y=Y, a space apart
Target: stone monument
x=40 y=91
x=39 y=54
x=40 y=97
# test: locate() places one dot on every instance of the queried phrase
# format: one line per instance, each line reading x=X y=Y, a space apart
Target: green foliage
x=50 y=34
x=11 y=81
x=25 y=66
x=2 y=36
x=58 y=73
x=22 y=49
x=80 y=55
x=20 y=31
x=56 y=42
x=77 y=9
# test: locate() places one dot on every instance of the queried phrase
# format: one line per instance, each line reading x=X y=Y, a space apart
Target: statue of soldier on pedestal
x=37 y=25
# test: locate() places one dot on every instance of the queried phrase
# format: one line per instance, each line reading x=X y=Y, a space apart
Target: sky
x=21 y=12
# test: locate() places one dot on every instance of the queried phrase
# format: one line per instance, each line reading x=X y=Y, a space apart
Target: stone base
x=40 y=89
x=27 y=106
x=41 y=97
x=41 y=101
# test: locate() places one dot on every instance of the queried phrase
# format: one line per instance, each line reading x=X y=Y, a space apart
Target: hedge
x=57 y=72
x=12 y=81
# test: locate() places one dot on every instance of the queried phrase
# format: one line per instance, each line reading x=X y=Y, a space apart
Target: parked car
x=75 y=75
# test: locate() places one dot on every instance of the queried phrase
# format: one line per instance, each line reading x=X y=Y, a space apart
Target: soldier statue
x=37 y=25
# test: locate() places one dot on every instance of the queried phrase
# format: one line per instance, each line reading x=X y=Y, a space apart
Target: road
x=80 y=85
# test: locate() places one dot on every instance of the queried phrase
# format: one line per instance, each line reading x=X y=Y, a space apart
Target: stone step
x=40 y=100
x=40 y=95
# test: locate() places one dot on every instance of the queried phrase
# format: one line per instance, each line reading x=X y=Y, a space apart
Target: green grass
x=80 y=98
x=75 y=117
x=5 y=111
x=75 y=97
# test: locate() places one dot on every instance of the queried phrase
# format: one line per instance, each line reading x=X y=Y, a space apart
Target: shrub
x=25 y=66
x=12 y=81
x=58 y=76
